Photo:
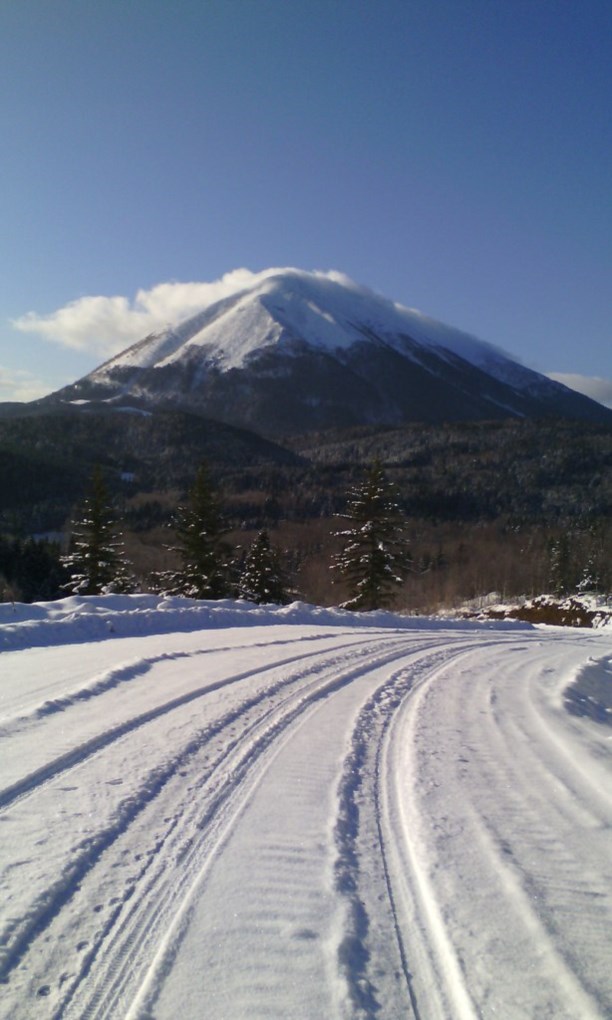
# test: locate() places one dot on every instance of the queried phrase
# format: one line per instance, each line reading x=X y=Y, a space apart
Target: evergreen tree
x=261 y=578
x=589 y=580
x=31 y=570
x=96 y=560
x=205 y=554
x=375 y=556
x=561 y=573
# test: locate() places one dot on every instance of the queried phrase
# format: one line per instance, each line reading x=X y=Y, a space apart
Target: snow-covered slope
x=300 y=349
x=215 y=810
x=326 y=314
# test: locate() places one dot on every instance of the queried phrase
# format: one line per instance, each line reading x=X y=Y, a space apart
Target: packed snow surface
x=217 y=810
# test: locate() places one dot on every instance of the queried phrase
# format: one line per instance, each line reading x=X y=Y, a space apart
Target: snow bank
x=96 y=617
x=590 y=691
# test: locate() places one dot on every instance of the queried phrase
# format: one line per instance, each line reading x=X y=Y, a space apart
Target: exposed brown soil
x=570 y=612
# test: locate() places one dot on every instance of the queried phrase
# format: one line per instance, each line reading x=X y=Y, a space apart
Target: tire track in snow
x=439 y=984
x=235 y=758
x=275 y=899
x=243 y=770
x=134 y=669
x=78 y=755
x=14 y=945
x=557 y=810
x=363 y=786
x=511 y=864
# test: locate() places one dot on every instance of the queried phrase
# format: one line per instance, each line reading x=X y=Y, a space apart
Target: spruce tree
x=31 y=569
x=261 y=578
x=562 y=574
x=200 y=541
x=96 y=560
x=375 y=556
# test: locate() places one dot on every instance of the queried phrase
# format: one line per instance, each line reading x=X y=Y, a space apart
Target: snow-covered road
x=217 y=811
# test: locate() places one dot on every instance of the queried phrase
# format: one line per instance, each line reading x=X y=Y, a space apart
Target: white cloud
x=591 y=386
x=21 y=386
x=104 y=326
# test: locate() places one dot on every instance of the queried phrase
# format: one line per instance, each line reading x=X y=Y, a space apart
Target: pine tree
x=96 y=560
x=592 y=554
x=561 y=572
x=375 y=556
x=589 y=580
x=261 y=578
x=205 y=554
x=31 y=569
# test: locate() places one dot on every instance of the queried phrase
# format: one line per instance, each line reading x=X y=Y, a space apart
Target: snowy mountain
x=298 y=351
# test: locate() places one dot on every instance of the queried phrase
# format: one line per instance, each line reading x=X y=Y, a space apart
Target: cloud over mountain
x=104 y=326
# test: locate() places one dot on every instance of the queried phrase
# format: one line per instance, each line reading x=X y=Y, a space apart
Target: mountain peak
x=326 y=311
x=295 y=350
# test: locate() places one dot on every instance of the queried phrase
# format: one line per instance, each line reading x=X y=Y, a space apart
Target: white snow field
x=215 y=810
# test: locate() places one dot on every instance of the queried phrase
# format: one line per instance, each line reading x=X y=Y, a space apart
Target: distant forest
x=517 y=507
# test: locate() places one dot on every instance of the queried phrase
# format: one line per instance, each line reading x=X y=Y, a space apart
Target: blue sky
x=454 y=155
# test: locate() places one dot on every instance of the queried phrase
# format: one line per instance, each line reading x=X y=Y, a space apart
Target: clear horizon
x=453 y=157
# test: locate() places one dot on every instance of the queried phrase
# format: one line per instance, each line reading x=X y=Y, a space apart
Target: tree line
x=372 y=562
x=371 y=559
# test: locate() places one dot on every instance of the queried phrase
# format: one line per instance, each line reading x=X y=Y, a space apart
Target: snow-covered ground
x=219 y=811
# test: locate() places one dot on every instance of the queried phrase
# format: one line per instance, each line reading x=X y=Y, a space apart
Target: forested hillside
x=487 y=505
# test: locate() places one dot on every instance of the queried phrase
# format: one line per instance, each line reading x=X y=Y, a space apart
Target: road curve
x=339 y=823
